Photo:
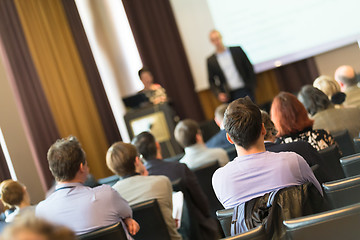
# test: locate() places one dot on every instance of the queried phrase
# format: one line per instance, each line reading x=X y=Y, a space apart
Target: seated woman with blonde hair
x=14 y=194
x=331 y=88
x=293 y=124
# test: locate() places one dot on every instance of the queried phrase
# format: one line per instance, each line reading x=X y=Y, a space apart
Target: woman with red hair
x=293 y=124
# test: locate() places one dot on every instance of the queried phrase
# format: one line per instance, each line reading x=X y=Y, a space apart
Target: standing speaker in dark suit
x=231 y=74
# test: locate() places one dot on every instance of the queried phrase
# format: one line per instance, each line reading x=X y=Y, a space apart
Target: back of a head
x=313 y=99
x=28 y=227
x=65 y=157
x=185 y=132
x=289 y=114
x=242 y=121
x=12 y=193
x=346 y=75
x=269 y=126
x=220 y=111
x=327 y=85
x=120 y=158
x=145 y=144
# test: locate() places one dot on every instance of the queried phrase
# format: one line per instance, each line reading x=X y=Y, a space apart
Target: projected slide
x=276 y=32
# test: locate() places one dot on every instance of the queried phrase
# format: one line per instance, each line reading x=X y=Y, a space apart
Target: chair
x=351 y=165
x=151 y=221
x=115 y=231
x=344 y=141
x=109 y=180
x=253 y=234
x=204 y=176
x=189 y=227
x=343 y=192
x=357 y=144
x=331 y=156
x=174 y=158
x=224 y=216
x=342 y=223
x=208 y=129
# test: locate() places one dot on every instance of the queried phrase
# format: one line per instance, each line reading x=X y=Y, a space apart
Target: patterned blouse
x=318 y=138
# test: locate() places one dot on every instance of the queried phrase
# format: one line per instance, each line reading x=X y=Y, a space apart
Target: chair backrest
x=115 y=231
x=357 y=144
x=224 y=216
x=342 y=223
x=151 y=221
x=175 y=158
x=351 y=165
x=189 y=227
x=204 y=175
x=109 y=180
x=331 y=156
x=208 y=129
x=344 y=141
x=343 y=192
x=253 y=234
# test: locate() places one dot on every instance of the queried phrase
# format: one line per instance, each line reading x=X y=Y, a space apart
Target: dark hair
x=242 y=121
x=65 y=157
x=145 y=144
x=269 y=125
x=120 y=158
x=185 y=132
x=289 y=114
x=313 y=99
x=144 y=69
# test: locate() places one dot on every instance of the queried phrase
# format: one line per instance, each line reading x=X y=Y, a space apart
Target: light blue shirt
x=251 y=176
x=84 y=209
x=226 y=62
x=198 y=155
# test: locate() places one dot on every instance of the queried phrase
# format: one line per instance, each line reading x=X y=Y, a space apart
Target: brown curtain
x=293 y=76
x=4 y=169
x=96 y=85
x=161 y=50
x=39 y=123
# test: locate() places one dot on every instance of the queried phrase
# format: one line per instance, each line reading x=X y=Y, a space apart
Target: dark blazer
x=309 y=153
x=217 y=78
x=176 y=170
x=219 y=141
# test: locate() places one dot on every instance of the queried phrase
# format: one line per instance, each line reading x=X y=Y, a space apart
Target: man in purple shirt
x=255 y=171
x=80 y=208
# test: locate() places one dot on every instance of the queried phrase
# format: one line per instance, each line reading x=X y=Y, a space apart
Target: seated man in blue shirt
x=219 y=140
x=75 y=205
x=255 y=171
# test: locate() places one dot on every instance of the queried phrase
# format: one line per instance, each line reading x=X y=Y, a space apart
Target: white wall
x=195 y=22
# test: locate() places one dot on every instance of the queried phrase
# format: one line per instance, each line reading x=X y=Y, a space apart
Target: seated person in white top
x=188 y=135
x=255 y=171
x=14 y=194
x=136 y=186
x=75 y=205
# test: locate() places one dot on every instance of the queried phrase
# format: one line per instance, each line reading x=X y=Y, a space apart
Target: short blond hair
x=327 y=85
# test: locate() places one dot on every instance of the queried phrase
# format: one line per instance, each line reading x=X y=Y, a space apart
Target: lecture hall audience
x=77 y=206
x=255 y=171
x=188 y=134
x=324 y=114
x=136 y=186
x=293 y=124
x=151 y=152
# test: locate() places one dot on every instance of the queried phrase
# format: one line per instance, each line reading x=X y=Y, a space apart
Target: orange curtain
x=63 y=77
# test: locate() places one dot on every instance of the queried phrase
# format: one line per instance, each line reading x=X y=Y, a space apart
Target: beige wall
x=17 y=144
x=329 y=61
